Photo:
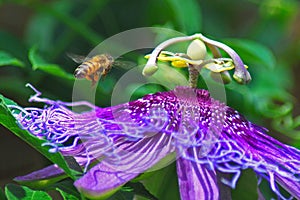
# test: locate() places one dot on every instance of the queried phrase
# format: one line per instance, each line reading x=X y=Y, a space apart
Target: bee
x=92 y=68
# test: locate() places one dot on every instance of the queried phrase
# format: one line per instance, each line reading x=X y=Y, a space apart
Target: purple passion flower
x=126 y=140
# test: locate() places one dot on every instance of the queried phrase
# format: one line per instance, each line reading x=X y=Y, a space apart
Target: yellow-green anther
x=242 y=78
x=219 y=66
x=149 y=70
x=179 y=64
x=166 y=56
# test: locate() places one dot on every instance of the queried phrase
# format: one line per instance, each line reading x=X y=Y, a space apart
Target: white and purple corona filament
x=128 y=139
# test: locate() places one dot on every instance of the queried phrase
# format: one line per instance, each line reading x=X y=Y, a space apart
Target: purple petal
x=196 y=182
x=293 y=187
x=132 y=137
x=242 y=145
x=133 y=158
x=101 y=179
x=226 y=141
x=46 y=173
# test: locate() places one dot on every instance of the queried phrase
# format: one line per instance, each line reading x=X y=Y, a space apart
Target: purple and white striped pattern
x=131 y=138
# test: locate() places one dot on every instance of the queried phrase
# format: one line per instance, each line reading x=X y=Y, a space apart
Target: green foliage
x=67 y=196
x=15 y=192
x=189 y=23
x=39 y=63
x=37 y=54
x=253 y=52
x=2 y=195
x=161 y=183
x=12 y=46
x=67 y=190
x=247 y=182
x=7 y=59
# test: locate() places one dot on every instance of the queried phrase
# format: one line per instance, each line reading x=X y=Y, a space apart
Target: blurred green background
x=35 y=36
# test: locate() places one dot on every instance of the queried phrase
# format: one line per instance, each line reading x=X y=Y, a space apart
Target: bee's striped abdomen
x=94 y=68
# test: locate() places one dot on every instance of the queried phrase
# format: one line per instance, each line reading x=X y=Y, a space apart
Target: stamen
x=153 y=57
x=241 y=75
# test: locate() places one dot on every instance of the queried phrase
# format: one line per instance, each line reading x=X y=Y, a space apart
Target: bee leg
x=95 y=77
x=93 y=82
x=89 y=78
x=92 y=78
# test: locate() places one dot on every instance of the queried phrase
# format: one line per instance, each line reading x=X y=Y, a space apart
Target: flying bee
x=92 y=68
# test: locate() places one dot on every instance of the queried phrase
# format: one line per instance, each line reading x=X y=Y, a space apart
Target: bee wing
x=124 y=64
x=77 y=58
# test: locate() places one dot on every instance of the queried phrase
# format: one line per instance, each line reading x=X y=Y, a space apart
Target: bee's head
x=78 y=73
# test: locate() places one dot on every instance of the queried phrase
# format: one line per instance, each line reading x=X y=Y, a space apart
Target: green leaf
x=67 y=190
x=39 y=63
x=45 y=36
x=162 y=182
x=14 y=84
x=247 y=182
x=15 y=192
x=252 y=52
x=74 y=24
x=8 y=121
x=139 y=189
x=2 y=195
x=87 y=15
x=188 y=15
x=289 y=126
x=122 y=194
x=13 y=45
x=7 y=59
x=66 y=195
